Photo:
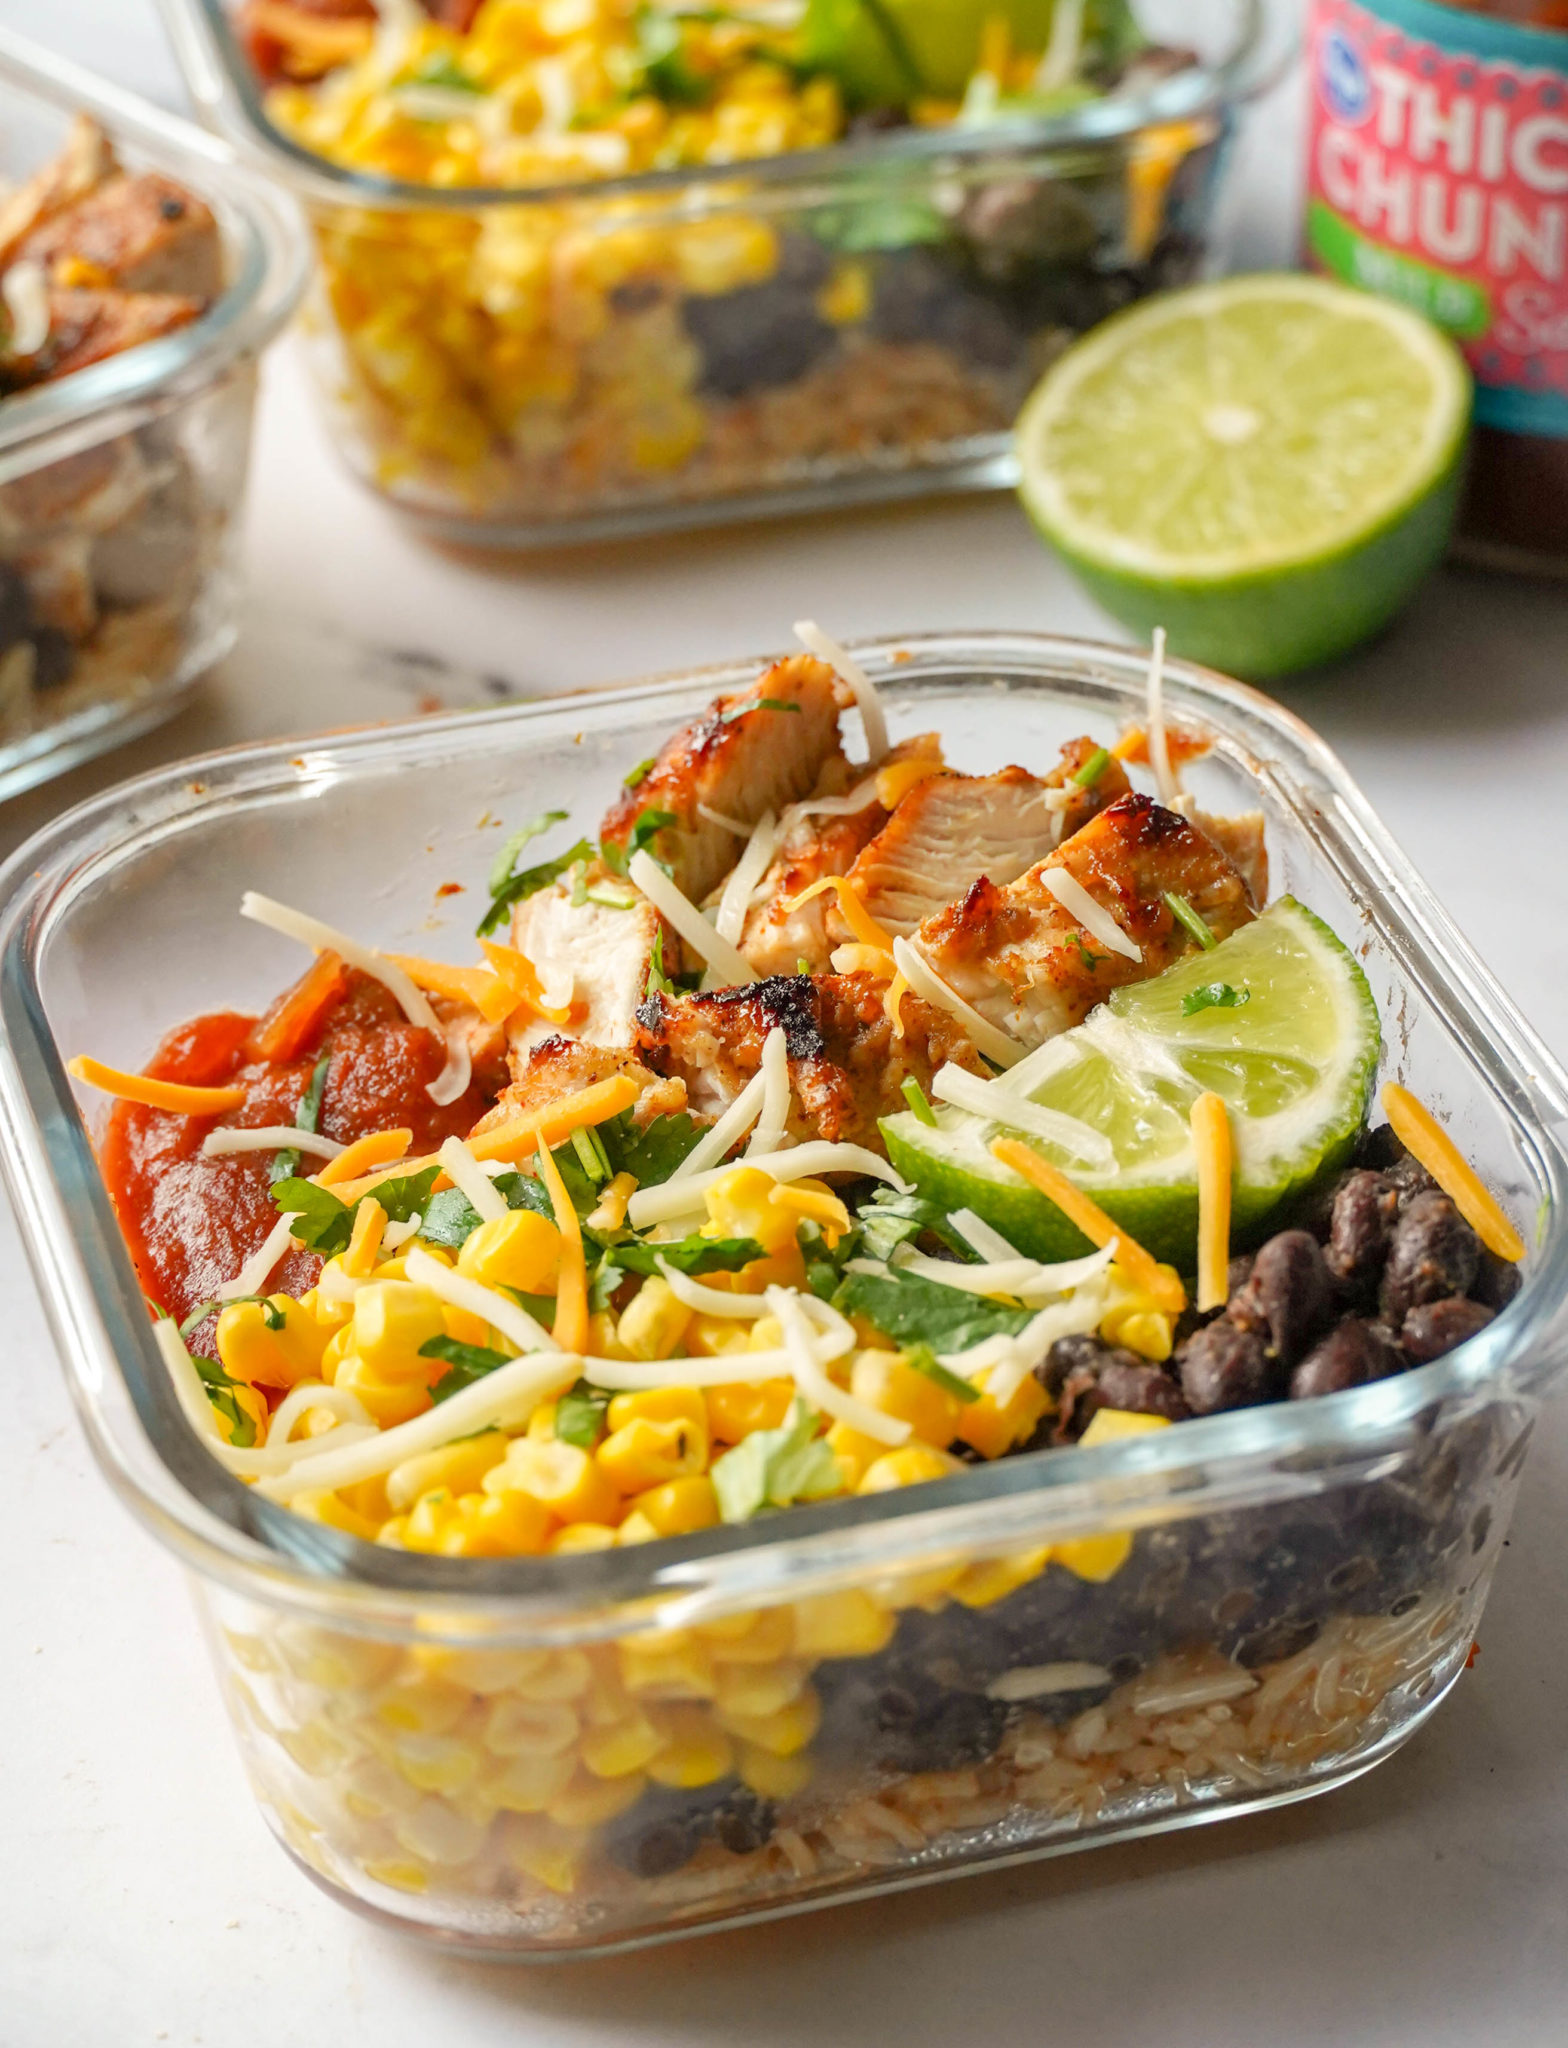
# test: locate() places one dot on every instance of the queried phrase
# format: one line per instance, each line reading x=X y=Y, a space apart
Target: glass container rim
x=224 y=88
x=223 y=1530
x=266 y=244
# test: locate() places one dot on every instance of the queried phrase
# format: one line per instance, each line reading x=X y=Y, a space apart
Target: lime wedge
x=1277 y=1019
x=1267 y=466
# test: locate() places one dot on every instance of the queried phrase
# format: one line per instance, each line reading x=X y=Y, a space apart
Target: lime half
x=1277 y=1019
x=1267 y=466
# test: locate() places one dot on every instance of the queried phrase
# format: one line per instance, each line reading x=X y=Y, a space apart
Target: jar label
x=1438 y=176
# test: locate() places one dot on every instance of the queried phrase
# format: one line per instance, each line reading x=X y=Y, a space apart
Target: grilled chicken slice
x=141 y=233
x=87 y=326
x=846 y=1064
x=558 y=1066
x=82 y=165
x=739 y=759
x=603 y=951
x=951 y=830
x=1241 y=840
x=1028 y=965
x=779 y=933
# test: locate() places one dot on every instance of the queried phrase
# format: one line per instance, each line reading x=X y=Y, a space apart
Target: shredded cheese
x=711 y=1301
x=674 y=1198
x=1212 y=1149
x=253 y=1275
x=226 y=1141
x=852 y=907
x=472 y=985
x=519 y=979
x=1422 y=1135
x=1159 y=748
x=847 y=806
x=397 y=1234
x=370 y=1222
x=463 y=1170
x=502 y=1312
x=729 y=919
x=893 y=1001
x=1163 y=1288
x=571 y=1289
x=898 y=778
x=1074 y=1317
x=724 y=821
x=1005 y=1106
x=610 y=1214
x=189 y=1391
x=1031 y=1281
x=307 y=1396
x=683 y=916
x=732 y=1369
x=1098 y=922
x=714 y=1143
x=807 y=1355
x=376 y=1148
x=453 y=1079
x=772 y=1125
x=815 y=641
x=853 y=959
x=175 y=1096
x=26 y=290
x=928 y=984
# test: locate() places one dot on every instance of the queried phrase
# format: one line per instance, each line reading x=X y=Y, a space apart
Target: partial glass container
x=120 y=483
x=549 y=1756
x=516 y=368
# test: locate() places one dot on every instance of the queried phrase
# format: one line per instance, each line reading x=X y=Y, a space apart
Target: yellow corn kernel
x=528 y=1782
x=624 y=1746
x=589 y=1802
x=784 y=1733
x=680 y=1506
x=991 y=1430
x=654 y=1321
x=755 y=1638
x=580 y=1536
x=558 y=1675
x=436 y=1763
x=331 y=1315
x=655 y=1437
x=514 y=1726
x=760 y=1688
x=541 y=1424
x=886 y=1382
x=767 y=1334
x=459 y=1467
x=659 y=1668
x=1095 y=1558
x=1146 y=1331
x=993 y=1578
x=336 y=1513
x=560 y=1477
x=486 y=1672
x=715 y=1337
x=390 y=1400
x=392 y=1318
x=812 y=1201
x=466 y=1328
x=604 y=1336
x=909 y=1465
x=544 y=1850
x=420 y=1706
x=477 y=1525
x=339 y=1346
x=771 y=1776
x=726 y=252
x=1109 y=1425
x=695 y=1752
x=261 y=1357
x=844 y=1624
x=856 y=1454
x=740 y=1205
x=520 y=1249
x=846 y=297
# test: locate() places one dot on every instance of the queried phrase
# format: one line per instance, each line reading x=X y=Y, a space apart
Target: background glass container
x=162 y=430
x=547 y=1756
x=773 y=335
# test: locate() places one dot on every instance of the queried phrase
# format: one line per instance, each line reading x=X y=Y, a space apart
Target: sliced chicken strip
x=558 y=1066
x=601 y=951
x=1027 y=963
x=1241 y=840
x=742 y=757
x=141 y=233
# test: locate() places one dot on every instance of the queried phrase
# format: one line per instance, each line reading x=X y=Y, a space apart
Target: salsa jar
x=1438 y=175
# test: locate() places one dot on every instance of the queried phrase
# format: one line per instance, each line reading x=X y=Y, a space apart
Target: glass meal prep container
x=120 y=482
x=828 y=326
x=1041 y=1653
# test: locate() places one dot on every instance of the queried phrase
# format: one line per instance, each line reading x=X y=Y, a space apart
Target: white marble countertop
x=141 y=1899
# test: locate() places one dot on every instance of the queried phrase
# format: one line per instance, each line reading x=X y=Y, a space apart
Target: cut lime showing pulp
x=1277 y=1019
x=1266 y=467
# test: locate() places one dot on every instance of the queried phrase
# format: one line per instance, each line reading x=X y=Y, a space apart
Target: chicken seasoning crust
x=1053 y=1135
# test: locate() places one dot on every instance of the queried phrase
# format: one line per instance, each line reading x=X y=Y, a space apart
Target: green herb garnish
x=772 y=1468
x=912 y=1310
x=450 y=1219
x=1091 y=771
x=1217 y=995
x=579 y=1415
x=306 y=1118
x=646 y=827
x=1184 y=914
x=1090 y=960
x=631 y=781
x=890 y=1219
x=444 y=71
x=221 y=1393
x=658 y=982
x=650 y=1152
x=918 y=1100
x=762 y=704
x=590 y=1156
x=695 y=1254
x=324 y=1224
x=468 y=1363
x=510 y=884
x=921 y=1358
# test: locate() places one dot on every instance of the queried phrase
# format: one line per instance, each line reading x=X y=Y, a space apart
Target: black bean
x=1434 y=1254
x=1496 y=1281
x=1068 y=1355
x=1361 y=1223
x=1224 y=1366
x=744 y=1822
x=1347 y=1357
x=1083 y=1391
x=1435 y=1327
x=54 y=657
x=1289 y=1297
x=1138 y=1388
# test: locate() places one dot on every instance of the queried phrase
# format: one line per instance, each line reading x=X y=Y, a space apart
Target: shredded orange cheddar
x=571 y=1292
x=898 y=778
x=893 y=1003
x=377 y=1148
x=1167 y=1292
x=520 y=977
x=177 y=1096
x=370 y=1220
x=471 y=985
x=1212 y=1147
x=1420 y=1133
x=517 y=1137
x=852 y=904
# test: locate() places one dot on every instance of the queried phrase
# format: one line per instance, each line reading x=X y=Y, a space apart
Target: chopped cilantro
x=646 y=827
x=1217 y=995
x=443 y=70
x=467 y=1363
x=221 y=1392
x=1184 y=914
x=890 y=1219
x=694 y=1254
x=650 y=1152
x=1090 y=960
x=306 y=1118
x=924 y=1360
x=631 y=781
x=510 y=884
x=661 y=58
x=450 y=1219
x=918 y=1100
x=1091 y=771
x=912 y=1310
x=325 y=1225
x=603 y=1283
x=579 y=1415
x=762 y=704
x=658 y=982
x=771 y=1468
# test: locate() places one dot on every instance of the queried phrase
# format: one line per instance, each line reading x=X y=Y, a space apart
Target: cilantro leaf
x=762 y=704
x=912 y=1310
x=661 y=58
x=443 y=70
x=325 y=1225
x=1217 y=995
x=658 y=982
x=306 y=1118
x=646 y=827
x=468 y=1363
x=579 y=1415
x=220 y=1392
x=651 y=1151
x=890 y=1219
x=924 y=1360
x=603 y=1282
x=694 y=1254
x=771 y=1468
x=450 y=1219
x=510 y=884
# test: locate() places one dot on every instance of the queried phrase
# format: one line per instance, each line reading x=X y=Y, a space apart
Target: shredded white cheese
x=1030 y=1281
x=1078 y=1314
x=815 y=641
x=1095 y=919
x=1040 y=1065
x=1059 y=65
x=756 y=858
x=1165 y=777
x=198 y=1412
x=226 y=1141
x=321 y=938
x=928 y=984
x=724 y=821
x=26 y=291
x=501 y=1311
x=772 y=1126
x=1068 y=1133
x=299 y=1401
x=465 y=1173
x=808 y=1355
x=846 y=806
x=711 y=1301
x=711 y=1147
x=396 y=1234
x=732 y=1369
x=253 y=1274
x=674 y=1198
x=679 y=912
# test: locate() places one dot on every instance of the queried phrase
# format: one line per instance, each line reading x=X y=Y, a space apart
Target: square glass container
x=120 y=483
x=826 y=327
x=538 y=1757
